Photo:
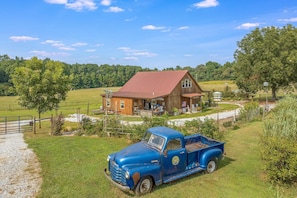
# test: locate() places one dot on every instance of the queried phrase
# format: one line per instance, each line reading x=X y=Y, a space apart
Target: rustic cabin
x=154 y=92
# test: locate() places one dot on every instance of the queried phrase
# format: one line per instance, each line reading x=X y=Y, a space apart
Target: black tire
x=211 y=166
x=144 y=186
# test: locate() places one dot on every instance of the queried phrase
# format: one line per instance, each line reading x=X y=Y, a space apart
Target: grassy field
x=83 y=101
x=73 y=167
x=217 y=85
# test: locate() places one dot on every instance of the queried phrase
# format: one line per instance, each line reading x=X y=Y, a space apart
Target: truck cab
x=162 y=156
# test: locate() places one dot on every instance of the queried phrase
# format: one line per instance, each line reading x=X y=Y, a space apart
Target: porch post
x=191 y=105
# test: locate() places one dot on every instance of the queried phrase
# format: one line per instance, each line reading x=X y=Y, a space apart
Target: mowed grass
x=217 y=85
x=73 y=167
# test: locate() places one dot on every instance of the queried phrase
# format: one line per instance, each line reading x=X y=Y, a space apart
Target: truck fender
x=208 y=155
x=152 y=171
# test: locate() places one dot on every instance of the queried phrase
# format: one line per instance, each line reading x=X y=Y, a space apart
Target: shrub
x=235 y=127
x=193 y=126
x=280 y=156
x=208 y=128
x=278 y=143
x=227 y=124
x=250 y=112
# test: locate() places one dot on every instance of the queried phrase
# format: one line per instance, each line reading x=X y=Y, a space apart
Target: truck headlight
x=127 y=175
x=108 y=158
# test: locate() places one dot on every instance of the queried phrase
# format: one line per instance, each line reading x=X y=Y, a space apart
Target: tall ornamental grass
x=279 y=143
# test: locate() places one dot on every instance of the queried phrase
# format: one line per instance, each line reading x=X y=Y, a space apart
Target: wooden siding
x=128 y=105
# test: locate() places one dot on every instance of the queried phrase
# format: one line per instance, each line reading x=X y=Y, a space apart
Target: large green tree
x=41 y=85
x=267 y=55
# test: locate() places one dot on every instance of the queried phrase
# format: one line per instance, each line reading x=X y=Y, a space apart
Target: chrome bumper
x=123 y=188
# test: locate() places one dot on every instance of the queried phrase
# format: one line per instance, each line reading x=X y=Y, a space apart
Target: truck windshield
x=154 y=140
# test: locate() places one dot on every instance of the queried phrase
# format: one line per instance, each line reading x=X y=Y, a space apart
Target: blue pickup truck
x=162 y=156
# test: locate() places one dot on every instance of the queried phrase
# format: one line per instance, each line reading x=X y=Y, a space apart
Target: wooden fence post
x=34 y=125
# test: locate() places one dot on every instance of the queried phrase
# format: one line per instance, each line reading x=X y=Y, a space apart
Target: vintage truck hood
x=136 y=154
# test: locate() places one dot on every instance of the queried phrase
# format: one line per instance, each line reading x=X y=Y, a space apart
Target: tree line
x=105 y=75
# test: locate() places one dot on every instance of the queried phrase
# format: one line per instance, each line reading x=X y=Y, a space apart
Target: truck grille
x=117 y=173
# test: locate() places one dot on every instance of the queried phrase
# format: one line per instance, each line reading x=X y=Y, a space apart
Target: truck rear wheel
x=144 y=186
x=211 y=166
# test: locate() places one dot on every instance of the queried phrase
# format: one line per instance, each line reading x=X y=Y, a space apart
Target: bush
x=227 y=124
x=280 y=156
x=250 y=112
x=89 y=127
x=208 y=128
x=278 y=143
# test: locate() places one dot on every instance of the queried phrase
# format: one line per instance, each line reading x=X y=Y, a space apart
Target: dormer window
x=186 y=83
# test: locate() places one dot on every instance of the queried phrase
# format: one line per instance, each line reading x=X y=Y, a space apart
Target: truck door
x=174 y=157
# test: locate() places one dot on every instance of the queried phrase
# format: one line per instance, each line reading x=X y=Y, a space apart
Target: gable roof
x=151 y=84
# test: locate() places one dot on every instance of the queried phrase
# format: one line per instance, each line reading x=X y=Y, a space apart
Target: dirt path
x=19 y=168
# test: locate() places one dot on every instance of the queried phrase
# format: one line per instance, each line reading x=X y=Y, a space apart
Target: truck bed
x=197 y=141
x=195 y=146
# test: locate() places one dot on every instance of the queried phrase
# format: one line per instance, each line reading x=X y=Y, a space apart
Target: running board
x=182 y=174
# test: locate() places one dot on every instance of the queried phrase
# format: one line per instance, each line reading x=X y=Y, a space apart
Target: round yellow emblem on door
x=175 y=160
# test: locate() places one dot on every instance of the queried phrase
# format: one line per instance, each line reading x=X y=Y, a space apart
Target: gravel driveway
x=19 y=168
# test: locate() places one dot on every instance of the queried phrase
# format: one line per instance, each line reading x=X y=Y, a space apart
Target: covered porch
x=191 y=102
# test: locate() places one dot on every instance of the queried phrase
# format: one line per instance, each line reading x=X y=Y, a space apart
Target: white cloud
x=49 y=54
x=23 y=38
x=125 y=49
x=131 y=58
x=67 y=48
x=206 y=4
x=114 y=9
x=105 y=2
x=90 y=50
x=77 y=5
x=50 y=42
x=58 y=44
x=54 y=43
x=80 y=5
x=152 y=27
x=247 y=26
x=134 y=53
x=79 y=44
x=188 y=55
x=56 y=1
x=183 y=28
x=288 y=20
x=99 y=44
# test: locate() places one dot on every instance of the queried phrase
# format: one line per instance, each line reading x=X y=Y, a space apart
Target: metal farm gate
x=16 y=124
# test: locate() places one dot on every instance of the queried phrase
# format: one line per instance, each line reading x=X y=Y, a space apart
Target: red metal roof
x=151 y=84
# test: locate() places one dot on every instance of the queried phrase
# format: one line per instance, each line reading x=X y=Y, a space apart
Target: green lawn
x=73 y=167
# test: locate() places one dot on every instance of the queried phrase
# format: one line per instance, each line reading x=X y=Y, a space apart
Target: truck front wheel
x=211 y=166
x=144 y=186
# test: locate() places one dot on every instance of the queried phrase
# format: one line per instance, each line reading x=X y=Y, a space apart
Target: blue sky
x=147 y=33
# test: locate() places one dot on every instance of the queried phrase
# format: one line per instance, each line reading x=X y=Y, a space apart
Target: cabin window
x=107 y=102
x=122 y=104
x=186 y=83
